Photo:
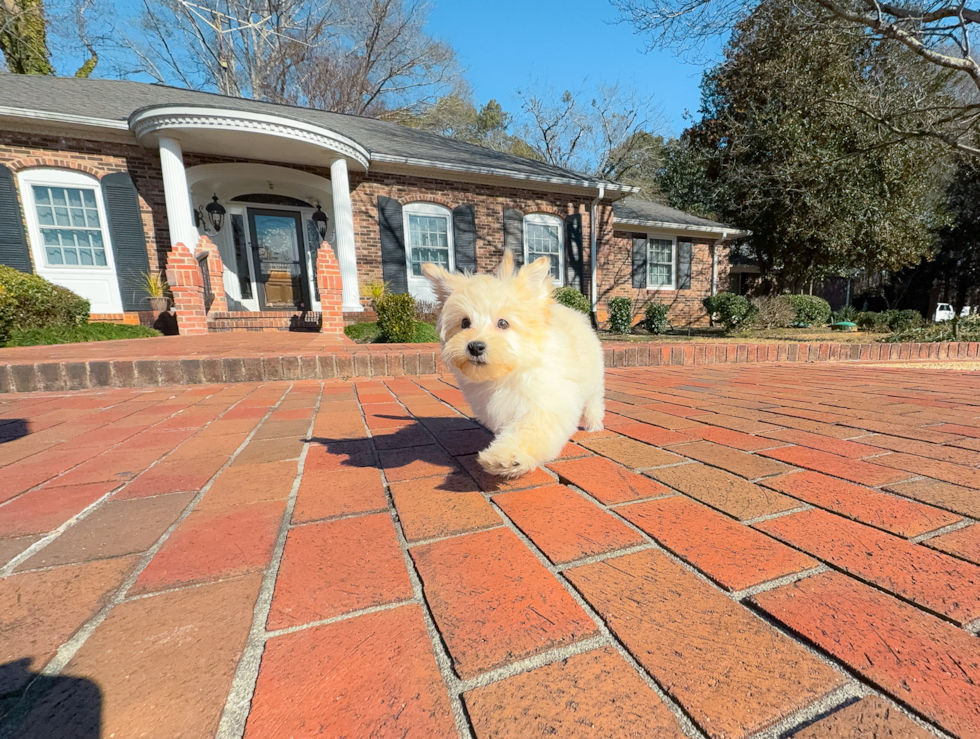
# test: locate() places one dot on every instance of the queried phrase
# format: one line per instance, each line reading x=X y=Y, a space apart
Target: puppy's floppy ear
x=536 y=276
x=506 y=267
x=443 y=282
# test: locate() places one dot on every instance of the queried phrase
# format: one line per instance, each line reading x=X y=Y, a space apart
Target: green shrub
x=906 y=319
x=871 y=321
x=79 y=333
x=396 y=318
x=572 y=298
x=810 y=310
x=847 y=313
x=655 y=318
x=773 y=311
x=30 y=301
x=734 y=311
x=620 y=315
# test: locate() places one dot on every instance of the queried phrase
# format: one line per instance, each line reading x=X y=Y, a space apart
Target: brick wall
x=489 y=202
x=615 y=272
x=22 y=150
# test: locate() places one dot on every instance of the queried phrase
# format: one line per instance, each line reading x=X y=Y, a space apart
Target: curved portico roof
x=118 y=103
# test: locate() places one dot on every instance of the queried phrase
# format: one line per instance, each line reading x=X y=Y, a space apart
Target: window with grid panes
x=660 y=263
x=71 y=230
x=428 y=238
x=544 y=240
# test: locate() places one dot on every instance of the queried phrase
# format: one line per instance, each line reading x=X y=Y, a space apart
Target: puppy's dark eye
x=502 y=324
x=465 y=323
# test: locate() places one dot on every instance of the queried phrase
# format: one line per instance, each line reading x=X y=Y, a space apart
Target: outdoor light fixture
x=320 y=219
x=198 y=219
x=216 y=212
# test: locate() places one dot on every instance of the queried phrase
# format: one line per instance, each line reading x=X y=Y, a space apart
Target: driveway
x=747 y=550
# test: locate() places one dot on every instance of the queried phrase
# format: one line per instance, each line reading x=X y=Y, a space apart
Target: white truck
x=946 y=312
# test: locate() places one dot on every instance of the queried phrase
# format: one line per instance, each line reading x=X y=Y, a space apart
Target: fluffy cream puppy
x=529 y=367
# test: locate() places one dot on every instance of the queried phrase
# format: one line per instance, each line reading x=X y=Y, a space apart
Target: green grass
x=78 y=334
x=367 y=333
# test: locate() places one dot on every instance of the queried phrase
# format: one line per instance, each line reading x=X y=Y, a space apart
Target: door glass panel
x=241 y=256
x=280 y=270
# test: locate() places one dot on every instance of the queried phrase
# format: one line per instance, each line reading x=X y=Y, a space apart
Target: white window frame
x=72 y=276
x=673 y=261
x=419 y=285
x=547 y=219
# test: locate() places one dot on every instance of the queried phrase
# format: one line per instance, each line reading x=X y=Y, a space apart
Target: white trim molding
x=419 y=285
x=718 y=232
x=673 y=261
x=148 y=121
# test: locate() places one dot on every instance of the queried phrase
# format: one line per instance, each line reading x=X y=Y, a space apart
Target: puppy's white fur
x=542 y=370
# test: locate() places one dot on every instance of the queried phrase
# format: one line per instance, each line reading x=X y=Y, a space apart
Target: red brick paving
x=400 y=573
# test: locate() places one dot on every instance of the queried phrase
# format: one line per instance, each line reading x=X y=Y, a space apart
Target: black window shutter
x=13 y=243
x=128 y=240
x=514 y=234
x=639 y=260
x=464 y=237
x=393 y=259
x=684 y=265
x=574 y=267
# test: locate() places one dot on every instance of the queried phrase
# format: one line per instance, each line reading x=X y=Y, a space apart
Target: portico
x=275 y=216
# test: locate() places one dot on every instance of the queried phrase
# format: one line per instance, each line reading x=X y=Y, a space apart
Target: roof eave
x=67 y=118
x=723 y=231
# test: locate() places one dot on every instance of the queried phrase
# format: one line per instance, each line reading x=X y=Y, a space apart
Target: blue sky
x=570 y=44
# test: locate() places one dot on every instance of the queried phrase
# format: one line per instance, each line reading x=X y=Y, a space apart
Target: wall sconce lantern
x=216 y=213
x=320 y=219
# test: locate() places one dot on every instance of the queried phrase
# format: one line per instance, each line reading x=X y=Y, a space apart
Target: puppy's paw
x=506 y=461
x=593 y=427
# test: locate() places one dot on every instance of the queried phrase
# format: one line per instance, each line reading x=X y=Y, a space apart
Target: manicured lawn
x=78 y=334
x=367 y=333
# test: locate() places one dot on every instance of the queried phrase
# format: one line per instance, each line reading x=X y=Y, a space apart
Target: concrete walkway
x=748 y=550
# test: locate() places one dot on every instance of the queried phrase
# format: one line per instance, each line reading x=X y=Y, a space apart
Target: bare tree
x=245 y=48
x=381 y=59
x=937 y=32
x=606 y=136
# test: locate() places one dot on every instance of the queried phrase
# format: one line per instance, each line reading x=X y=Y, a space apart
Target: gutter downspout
x=593 y=246
x=714 y=263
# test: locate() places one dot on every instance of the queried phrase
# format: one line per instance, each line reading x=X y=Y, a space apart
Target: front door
x=279 y=259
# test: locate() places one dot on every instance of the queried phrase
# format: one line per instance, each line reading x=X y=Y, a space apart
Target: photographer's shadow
x=48 y=707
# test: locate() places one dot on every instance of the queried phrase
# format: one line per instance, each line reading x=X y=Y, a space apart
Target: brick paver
x=326 y=557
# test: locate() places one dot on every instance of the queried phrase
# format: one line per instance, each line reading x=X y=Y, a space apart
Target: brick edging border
x=424 y=360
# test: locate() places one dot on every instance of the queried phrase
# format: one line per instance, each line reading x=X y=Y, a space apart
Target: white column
x=343 y=214
x=179 y=212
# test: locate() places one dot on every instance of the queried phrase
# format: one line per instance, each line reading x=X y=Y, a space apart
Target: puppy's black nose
x=476 y=348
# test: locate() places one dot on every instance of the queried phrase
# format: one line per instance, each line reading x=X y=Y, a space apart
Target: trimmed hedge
x=396 y=318
x=655 y=319
x=734 y=311
x=620 y=315
x=810 y=310
x=30 y=301
x=572 y=298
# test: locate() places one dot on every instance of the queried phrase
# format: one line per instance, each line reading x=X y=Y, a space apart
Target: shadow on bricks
x=411 y=448
x=13 y=428
x=50 y=707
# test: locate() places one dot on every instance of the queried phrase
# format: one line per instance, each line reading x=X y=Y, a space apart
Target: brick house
x=102 y=181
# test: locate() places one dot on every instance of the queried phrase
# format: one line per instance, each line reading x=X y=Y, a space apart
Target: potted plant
x=157 y=288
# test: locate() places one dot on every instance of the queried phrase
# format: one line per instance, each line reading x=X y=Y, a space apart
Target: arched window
x=544 y=237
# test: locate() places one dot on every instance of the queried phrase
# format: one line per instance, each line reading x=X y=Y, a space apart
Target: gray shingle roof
x=632 y=209
x=117 y=99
